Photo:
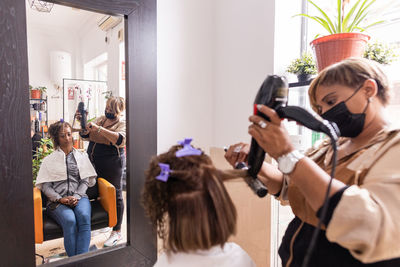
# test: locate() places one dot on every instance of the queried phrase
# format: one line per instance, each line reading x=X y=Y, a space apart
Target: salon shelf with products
x=39 y=114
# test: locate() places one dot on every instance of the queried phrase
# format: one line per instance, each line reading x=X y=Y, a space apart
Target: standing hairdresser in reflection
x=362 y=225
x=107 y=136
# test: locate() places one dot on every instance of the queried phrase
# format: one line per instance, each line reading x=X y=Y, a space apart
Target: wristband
x=99 y=130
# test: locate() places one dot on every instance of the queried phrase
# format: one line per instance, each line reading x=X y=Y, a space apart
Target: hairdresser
x=362 y=223
x=107 y=135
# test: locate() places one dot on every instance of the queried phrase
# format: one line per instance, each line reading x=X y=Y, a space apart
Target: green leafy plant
x=303 y=65
x=380 y=52
x=45 y=149
x=42 y=89
x=341 y=22
x=90 y=120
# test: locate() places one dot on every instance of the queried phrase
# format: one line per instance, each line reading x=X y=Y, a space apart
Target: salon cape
x=54 y=169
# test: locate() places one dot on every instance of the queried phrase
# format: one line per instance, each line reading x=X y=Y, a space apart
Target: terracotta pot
x=336 y=47
x=35 y=94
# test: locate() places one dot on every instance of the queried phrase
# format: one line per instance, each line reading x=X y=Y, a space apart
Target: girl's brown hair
x=351 y=72
x=116 y=104
x=55 y=129
x=192 y=210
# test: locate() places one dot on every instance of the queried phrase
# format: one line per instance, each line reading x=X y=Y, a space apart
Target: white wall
x=92 y=44
x=40 y=42
x=212 y=58
x=287 y=36
x=185 y=59
x=244 y=55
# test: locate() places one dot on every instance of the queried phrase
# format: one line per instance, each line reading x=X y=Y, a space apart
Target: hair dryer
x=82 y=111
x=274 y=94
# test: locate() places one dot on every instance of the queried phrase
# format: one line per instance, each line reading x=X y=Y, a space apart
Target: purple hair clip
x=165 y=171
x=187 y=149
x=61 y=120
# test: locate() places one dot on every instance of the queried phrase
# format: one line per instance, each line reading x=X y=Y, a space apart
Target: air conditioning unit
x=108 y=22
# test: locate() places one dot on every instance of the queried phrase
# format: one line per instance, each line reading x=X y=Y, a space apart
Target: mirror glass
x=77 y=56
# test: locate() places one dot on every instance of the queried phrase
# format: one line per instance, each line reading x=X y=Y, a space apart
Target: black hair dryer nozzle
x=82 y=111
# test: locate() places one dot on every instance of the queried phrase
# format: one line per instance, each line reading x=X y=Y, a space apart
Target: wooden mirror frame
x=17 y=245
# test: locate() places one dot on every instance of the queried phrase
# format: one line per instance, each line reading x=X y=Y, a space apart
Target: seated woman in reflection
x=187 y=203
x=64 y=177
x=106 y=136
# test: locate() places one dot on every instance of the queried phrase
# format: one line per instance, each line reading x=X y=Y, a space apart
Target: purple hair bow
x=187 y=149
x=165 y=171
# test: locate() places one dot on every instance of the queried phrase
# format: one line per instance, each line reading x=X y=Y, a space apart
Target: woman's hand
x=73 y=201
x=92 y=127
x=237 y=153
x=69 y=201
x=270 y=135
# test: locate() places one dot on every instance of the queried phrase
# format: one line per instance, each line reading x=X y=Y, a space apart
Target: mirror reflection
x=77 y=89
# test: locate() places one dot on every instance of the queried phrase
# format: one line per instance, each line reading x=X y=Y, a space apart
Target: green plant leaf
x=303 y=65
x=359 y=13
x=327 y=19
x=355 y=25
x=373 y=24
x=339 y=18
x=348 y=16
x=92 y=119
x=320 y=20
x=363 y=11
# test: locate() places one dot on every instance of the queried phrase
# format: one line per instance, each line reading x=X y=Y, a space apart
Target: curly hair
x=54 y=131
x=192 y=210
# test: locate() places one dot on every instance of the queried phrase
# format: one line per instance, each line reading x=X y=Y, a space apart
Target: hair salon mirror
x=78 y=56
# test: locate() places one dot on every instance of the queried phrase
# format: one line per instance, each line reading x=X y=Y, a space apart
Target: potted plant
x=303 y=67
x=345 y=38
x=42 y=90
x=37 y=92
x=380 y=52
x=45 y=149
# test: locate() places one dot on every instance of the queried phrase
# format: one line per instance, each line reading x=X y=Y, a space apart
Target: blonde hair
x=192 y=210
x=351 y=72
x=116 y=104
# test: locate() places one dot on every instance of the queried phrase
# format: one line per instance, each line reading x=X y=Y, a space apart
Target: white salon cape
x=231 y=255
x=54 y=169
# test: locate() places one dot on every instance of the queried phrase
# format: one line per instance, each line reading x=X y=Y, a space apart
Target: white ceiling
x=61 y=17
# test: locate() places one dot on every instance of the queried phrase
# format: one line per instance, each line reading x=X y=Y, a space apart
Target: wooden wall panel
x=16 y=193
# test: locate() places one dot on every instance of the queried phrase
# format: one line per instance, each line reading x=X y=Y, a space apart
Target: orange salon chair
x=102 y=198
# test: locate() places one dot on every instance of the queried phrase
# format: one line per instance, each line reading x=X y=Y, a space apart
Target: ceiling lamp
x=41 y=6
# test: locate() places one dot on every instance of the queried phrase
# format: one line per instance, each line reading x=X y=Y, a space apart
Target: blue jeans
x=75 y=223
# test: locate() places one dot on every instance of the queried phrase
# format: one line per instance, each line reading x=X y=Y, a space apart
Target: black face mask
x=109 y=115
x=349 y=124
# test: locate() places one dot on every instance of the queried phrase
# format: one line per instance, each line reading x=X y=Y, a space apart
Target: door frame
x=17 y=247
